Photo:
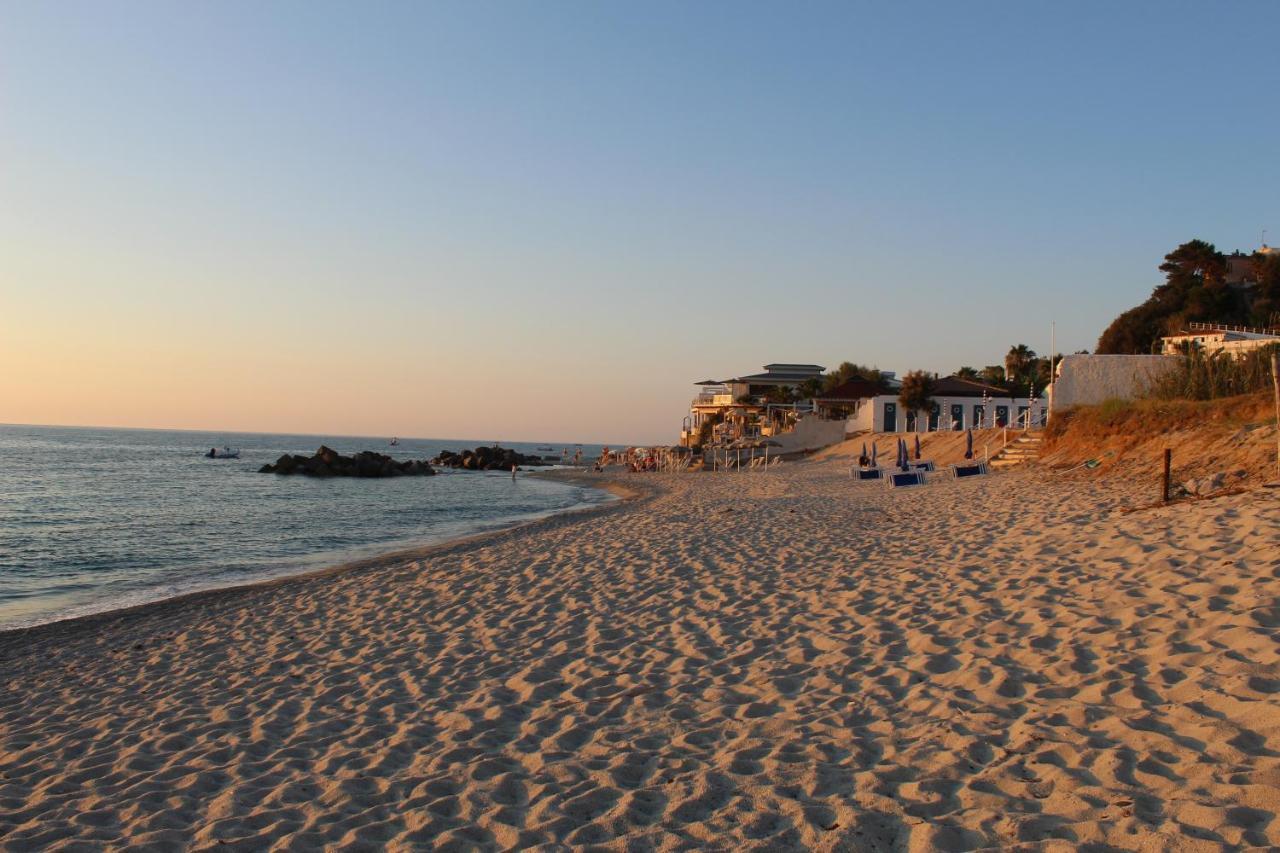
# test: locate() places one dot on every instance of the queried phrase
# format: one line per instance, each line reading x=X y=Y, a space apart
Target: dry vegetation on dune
x=1231 y=435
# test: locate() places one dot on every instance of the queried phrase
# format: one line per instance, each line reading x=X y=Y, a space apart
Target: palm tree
x=967 y=372
x=1018 y=362
x=810 y=388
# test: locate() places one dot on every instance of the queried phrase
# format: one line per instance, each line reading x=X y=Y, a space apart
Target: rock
x=487 y=459
x=329 y=463
x=1205 y=485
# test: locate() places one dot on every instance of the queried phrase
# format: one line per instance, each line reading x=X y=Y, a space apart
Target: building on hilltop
x=1241 y=270
x=1214 y=338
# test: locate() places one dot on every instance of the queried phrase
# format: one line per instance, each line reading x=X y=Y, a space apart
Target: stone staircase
x=1025 y=448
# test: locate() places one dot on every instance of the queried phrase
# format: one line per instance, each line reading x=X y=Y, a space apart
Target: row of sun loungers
x=917 y=474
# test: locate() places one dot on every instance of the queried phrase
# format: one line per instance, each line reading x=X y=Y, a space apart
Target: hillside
x=1235 y=436
x=1201 y=284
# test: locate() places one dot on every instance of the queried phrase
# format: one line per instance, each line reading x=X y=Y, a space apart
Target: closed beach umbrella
x=904 y=459
x=917 y=446
x=864 y=449
x=874 y=453
x=968 y=444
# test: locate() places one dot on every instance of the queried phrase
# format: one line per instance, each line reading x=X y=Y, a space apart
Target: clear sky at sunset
x=545 y=221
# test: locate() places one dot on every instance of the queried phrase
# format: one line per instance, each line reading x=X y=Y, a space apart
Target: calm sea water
x=95 y=519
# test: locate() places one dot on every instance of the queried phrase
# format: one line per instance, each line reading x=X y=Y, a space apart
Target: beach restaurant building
x=956 y=404
x=731 y=404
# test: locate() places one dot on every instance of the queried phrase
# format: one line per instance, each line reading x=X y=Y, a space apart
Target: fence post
x=1275 y=382
x=1164 y=491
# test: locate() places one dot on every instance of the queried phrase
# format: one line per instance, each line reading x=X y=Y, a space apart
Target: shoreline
x=622 y=494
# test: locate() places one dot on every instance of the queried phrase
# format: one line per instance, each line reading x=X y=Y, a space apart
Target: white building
x=957 y=404
x=741 y=407
x=1213 y=338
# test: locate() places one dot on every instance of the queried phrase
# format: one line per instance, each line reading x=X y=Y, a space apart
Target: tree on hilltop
x=1194 y=290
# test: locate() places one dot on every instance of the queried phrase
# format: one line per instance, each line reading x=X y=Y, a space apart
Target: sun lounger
x=972 y=469
x=859 y=473
x=902 y=479
x=922 y=465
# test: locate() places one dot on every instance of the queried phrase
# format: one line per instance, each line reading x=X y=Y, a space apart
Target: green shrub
x=1211 y=377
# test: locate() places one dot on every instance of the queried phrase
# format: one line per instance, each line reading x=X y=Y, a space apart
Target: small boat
x=394 y=441
x=544 y=449
x=224 y=453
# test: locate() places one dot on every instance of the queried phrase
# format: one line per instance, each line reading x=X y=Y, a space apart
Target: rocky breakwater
x=329 y=463
x=486 y=459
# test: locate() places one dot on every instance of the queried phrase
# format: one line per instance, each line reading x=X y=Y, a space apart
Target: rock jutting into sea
x=329 y=463
x=486 y=459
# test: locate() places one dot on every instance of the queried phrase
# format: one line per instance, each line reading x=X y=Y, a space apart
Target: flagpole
x=1053 y=347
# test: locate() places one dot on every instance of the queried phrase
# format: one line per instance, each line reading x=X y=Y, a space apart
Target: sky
x=546 y=221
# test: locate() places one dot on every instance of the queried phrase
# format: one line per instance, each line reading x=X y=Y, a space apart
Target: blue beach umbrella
x=864 y=448
x=874 y=452
x=904 y=458
x=968 y=444
x=917 y=446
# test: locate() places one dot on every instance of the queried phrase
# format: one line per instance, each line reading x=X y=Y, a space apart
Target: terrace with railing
x=1195 y=326
x=713 y=398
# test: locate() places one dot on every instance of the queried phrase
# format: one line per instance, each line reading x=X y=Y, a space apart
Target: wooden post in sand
x=1164 y=491
x=1275 y=382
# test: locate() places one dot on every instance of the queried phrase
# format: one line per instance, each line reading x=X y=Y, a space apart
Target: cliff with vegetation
x=1201 y=285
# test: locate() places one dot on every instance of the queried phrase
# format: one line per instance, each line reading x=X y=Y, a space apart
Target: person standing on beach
x=513 y=472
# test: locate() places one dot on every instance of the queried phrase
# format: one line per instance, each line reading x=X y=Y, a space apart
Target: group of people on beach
x=639 y=466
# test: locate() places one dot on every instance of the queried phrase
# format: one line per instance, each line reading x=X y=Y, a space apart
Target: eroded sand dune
x=769 y=660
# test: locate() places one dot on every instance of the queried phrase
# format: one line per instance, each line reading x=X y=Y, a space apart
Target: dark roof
x=775 y=378
x=954 y=386
x=853 y=389
x=788 y=367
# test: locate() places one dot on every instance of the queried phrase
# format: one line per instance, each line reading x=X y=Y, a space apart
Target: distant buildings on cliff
x=1215 y=338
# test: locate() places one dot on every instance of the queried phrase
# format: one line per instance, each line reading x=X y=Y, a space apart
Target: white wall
x=1086 y=380
x=811 y=433
x=871 y=416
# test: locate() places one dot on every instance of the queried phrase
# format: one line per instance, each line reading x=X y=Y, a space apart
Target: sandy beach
x=779 y=660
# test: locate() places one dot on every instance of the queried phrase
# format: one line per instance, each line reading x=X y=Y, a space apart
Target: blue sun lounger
x=901 y=479
x=971 y=469
x=866 y=473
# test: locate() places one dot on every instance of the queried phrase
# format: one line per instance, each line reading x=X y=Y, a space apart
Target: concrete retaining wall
x=1086 y=380
x=810 y=433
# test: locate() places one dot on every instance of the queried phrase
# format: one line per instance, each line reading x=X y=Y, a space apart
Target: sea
x=98 y=519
